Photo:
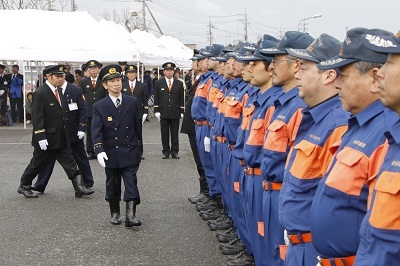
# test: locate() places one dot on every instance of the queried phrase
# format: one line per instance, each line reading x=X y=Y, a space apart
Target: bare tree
x=131 y=20
x=34 y=4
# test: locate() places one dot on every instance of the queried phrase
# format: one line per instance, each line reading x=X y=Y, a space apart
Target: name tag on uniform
x=5 y=82
x=51 y=104
x=109 y=119
x=72 y=106
x=162 y=89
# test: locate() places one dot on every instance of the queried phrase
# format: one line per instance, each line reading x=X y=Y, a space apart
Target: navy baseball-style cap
x=321 y=49
x=257 y=55
x=222 y=57
x=110 y=72
x=292 y=39
x=354 y=50
x=195 y=54
x=93 y=63
x=247 y=49
x=237 y=48
x=382 y=44
x=214 y=50
x=228 y=48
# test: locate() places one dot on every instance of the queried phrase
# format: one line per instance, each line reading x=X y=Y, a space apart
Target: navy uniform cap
x=54 y=70
x=214 y=50
x=110 y=72
x=291 y=39
x=2 y=66
x=354 y=50
x=131 y=68
x=168 y=65
x=122 y=63
x=195 y=54
x=257 y=55
x=222 y=57
x=382 y=44
x=93 y=63
x=322 y=48
x=237 y=48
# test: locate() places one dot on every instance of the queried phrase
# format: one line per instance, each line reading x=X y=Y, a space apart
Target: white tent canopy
x=104 y=41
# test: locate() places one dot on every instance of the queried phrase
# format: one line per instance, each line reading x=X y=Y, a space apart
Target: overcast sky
x=188 y=20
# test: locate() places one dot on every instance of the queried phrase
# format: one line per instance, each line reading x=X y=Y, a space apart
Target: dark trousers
x=113 y=183
x=89 y=143
x=41 y=158
x=169 y=126
x=3 y=104
x=79 y=154
x=17 y=102
x=193 y=146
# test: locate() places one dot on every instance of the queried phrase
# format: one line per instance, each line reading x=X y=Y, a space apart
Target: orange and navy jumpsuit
x=340 y=202
x=308 y=161
x=252 y=156
x=279 y=138
x=380 y=229
x=199 y=107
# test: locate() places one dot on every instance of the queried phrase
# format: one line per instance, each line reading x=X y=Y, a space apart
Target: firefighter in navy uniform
x=137 y=89
x=93 y=91
x=115 y=131
x=169 y=106
x=50 y=136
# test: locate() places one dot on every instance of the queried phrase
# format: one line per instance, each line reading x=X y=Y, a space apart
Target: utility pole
x=151 y=14
x=144 y=15
x=72 y=5
x=49 y=3
x=245 y=25
x=210 y=31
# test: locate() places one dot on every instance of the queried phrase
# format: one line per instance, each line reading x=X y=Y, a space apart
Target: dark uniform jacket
x=169 y=104
x=76 y=118
x=4 y=85
x=48 y=119
x=91 y=94
x=115 y=131
x=188 y=126
x=140 y=93
x=69 y=77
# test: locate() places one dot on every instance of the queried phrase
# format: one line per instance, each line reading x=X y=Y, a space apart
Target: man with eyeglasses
x=279 y=136
x=50 y=135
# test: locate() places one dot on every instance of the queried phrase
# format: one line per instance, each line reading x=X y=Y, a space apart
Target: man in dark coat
x=137 y=89
x=169 y=106
x=50 y=136
x=75 y=109
x=115 y=131
x=93 y=91
x=4 y=85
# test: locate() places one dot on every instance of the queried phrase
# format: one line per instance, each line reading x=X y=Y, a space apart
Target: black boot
x=27 y=192
x=115 y=212
x=80 y=189
x=200 y=196
x=130 y=219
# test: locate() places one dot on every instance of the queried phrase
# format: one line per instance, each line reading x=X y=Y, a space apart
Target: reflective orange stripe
x=221 y=139
x=260 y=228
x=305 y=238
x=271 y=185
x=345 y=261
x=236 y=187
x=252 y=171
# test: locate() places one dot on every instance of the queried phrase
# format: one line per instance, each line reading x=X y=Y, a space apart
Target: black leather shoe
x=34 y=188
x=175 y=156
x=91 y=156
x=228 y=237
x=27 y=192
x=197 y=198
x=221 y=223
x=131 y=219
x=234 y=247
x=165 y=156
x=213 y=215
x=226 y=232
x=206 y=206
x=242 y=259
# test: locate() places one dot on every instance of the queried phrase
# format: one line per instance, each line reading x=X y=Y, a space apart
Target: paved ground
x=59 y=229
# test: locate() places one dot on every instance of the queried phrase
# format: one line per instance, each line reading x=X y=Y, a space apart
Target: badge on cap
x=91 y=63
x=112 y=70
x=131 y=67
x=109 y=119
x=169 y=65
x=61 y=68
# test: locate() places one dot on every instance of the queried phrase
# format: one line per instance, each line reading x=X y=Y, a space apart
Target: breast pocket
x=306 y=164
x=350 y=172
x=385 y=211
x=257 y=133
x=233 y=109
x=277 y=137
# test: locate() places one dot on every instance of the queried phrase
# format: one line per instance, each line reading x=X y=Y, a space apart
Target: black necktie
x=117 y=102
x=60 y=93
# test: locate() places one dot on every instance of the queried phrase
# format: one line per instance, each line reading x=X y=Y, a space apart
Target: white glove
x=144 y=118
x=181 y=115
x=158 y=115
x=285 y=237
x=101 y=157
x=207 y=144
x=1 y=92
x=81 y=134
x=43 y=144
